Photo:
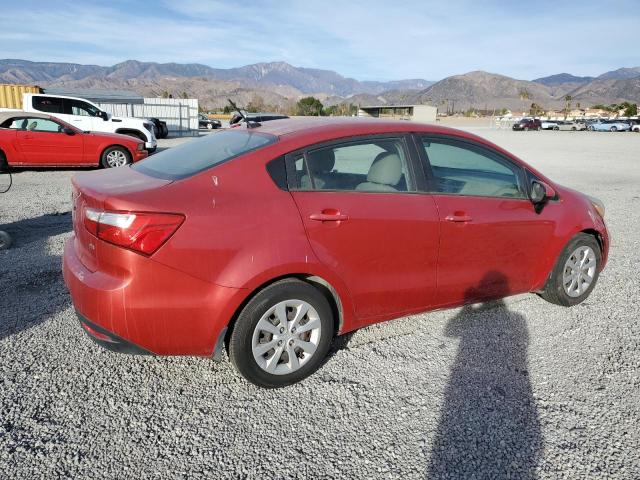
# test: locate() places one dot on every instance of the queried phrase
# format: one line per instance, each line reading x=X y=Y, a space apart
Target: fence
x=180 y=114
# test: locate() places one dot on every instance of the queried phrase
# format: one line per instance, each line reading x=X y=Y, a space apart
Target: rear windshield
x=202 y=153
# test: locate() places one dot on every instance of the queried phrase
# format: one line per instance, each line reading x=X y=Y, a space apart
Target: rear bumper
x=141 y=305
x=108 y=340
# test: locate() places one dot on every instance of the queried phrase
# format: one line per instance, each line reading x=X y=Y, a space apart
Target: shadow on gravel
x=31 y=284
x=32 y=229
x=489 y=425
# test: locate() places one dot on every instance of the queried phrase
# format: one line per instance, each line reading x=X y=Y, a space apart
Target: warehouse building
x=414 y=113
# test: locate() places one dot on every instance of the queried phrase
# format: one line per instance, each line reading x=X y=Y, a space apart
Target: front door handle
x=458 y=218
x=328 y=216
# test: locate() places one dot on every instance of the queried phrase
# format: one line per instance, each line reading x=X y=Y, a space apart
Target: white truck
x=88 y=117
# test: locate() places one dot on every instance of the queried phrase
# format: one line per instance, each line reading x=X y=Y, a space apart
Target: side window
x=83 y=109
x=463 y=169
x=41 y=125
x=372 y=165
x=47 y=104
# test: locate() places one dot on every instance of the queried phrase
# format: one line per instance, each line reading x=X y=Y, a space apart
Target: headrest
x=387 y=169
x=322 y=161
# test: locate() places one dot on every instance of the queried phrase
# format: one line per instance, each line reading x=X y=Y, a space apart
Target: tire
x=526 y=129
x=573 y=129
x=555 y=291
x=5 y=240
x=538 y=129
x=613 y=129
x=556 y=128
x=262 y=309
x=4 y=165
x=209 y=126
x=115 y=156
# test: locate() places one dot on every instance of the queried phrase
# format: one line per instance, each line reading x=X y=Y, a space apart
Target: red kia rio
x=39 y=140
x=270 y=241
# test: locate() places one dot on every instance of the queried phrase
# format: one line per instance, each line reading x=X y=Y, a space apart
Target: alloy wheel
x=579 y=271
x=116 y=158
x=286 y=337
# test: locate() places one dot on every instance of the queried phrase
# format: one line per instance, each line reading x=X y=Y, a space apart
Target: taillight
x=141 y=232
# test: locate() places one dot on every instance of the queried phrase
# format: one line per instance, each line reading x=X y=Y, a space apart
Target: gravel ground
x=514 y=389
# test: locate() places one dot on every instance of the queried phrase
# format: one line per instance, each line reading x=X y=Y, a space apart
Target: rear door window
x=200 y=154
x=48 y=104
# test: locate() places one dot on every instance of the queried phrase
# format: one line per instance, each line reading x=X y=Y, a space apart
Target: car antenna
x=249 y=123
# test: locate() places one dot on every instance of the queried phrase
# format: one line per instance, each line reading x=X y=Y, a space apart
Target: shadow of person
x=489 y=425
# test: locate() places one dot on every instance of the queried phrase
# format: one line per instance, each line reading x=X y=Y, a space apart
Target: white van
x=88 y=117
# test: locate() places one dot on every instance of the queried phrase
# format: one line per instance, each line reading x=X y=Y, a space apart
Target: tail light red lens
x=140 y=232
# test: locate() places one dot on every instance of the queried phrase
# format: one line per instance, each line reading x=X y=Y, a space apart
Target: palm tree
x=524 y=97
x=567 y=105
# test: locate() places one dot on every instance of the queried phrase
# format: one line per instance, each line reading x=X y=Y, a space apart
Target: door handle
x=458 y=218
x=328 y=217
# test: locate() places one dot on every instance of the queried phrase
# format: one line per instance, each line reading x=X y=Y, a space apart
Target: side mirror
x=540 y=192
x=104 y=116
x=69 y=131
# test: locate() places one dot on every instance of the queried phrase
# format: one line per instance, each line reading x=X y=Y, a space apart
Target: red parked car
x=272 y=240
x=39 y=140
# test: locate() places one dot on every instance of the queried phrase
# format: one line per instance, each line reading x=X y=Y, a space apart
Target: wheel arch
x=326 y=288
x=126 y=131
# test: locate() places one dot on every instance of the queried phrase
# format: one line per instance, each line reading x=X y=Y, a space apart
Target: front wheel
x=576 y=272
x=282 y=335
x=209 y=126
x=556 y=128
x=115 y=157
x=613 y=129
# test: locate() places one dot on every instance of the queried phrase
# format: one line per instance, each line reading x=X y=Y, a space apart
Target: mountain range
x=280 y=84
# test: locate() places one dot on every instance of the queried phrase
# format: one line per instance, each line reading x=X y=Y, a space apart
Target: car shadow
x=31 y=284
x=489 y=426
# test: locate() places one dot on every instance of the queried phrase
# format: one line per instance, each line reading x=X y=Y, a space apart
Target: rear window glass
x=202 y=153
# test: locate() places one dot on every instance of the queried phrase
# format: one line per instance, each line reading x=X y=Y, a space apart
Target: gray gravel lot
x=520 y=389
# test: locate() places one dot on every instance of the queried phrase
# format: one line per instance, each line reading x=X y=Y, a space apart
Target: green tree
x=567 y=105
x=536 y=110
x=525 y=96
x=165 y=94
x=309 y=106
x=256 y=104
x=184 y=95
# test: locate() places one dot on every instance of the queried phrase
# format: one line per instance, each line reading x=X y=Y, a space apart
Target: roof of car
x=344 y=125
x=18 y=113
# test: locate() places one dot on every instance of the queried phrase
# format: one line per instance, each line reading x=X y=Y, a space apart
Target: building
x=414 y=113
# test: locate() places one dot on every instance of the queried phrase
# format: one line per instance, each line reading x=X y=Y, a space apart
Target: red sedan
x=38 y=140
x=271 y=240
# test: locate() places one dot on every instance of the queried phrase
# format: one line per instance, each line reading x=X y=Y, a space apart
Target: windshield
x=202 y=153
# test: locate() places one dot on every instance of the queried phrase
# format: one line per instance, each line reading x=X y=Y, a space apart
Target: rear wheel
x=613 y=129
x=557 y=128
x=573 y=129
x=115 y=156
x=209 y=126
x=576 y=272
x=282 y=335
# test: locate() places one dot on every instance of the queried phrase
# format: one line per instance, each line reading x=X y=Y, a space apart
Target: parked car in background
x=548 y=124
x=528 y=124
x=314 y=232
x=636 y=128
x=609 y=126
x=208 y=123
x=159 y=128
x=569 y=125
x=30 y=139
x=236 y=119
x=87 y=117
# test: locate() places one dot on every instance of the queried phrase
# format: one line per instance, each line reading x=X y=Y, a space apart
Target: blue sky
x=364 y=39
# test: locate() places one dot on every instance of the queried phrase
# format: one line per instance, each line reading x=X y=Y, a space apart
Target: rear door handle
x=458 y=218
x=328 y=217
